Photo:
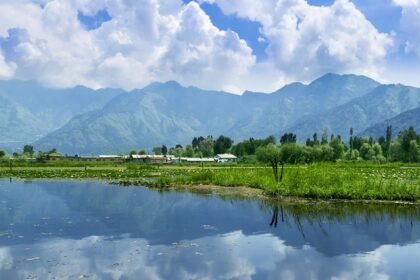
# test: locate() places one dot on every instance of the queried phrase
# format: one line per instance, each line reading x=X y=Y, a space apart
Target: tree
x=338 y=147
x=157 y=150
x=315 y=137
x=413 y=152
x=2 y=154
x=164 y=150
x=28 y=150
x=222 y=144
x=352 y=155
x=132 y=152
x=288 y=138
x=194 y=143
x=326 y=153
x=248 y=147
x=324 y=139
x=177 y=151
x=388 y=138
x=292 y=153
x=142 y=152
x=367 y=152
x=271 y=154
x=312 y=142
x=351 y=138
x=405 y=138
x=206 y=147
x=189 y=151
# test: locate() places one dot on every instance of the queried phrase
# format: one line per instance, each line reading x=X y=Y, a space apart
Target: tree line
x=405 y=147
x=199 y=147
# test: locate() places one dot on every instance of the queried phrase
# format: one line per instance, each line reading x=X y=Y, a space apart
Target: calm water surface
x=92 y=230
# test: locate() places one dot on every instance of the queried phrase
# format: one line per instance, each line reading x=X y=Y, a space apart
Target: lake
x=94 y=230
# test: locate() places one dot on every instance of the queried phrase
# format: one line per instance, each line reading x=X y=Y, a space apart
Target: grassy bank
x=353 y=181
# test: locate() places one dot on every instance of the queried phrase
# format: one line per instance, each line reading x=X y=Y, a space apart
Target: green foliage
x=164 y=150
x=189 y=151
x=2 y=154
x=249 y=147
x=268 y=154
x=28 y=150
x=338 y=148
x=222 y=144
x=206 y=147
x=367 y=181
x=157 y=150
x=292 y=153
x=288 y=138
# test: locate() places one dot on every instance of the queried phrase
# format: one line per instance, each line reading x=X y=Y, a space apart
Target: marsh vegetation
x=359 y=181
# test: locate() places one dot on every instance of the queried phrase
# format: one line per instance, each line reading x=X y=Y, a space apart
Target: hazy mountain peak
x=159 y=86
x=341 y=78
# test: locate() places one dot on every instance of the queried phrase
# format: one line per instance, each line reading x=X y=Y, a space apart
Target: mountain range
x=84 y=121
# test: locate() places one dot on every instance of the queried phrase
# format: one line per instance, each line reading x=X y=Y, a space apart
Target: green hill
x=32 y=110
x=169 y=114
x=384 y=102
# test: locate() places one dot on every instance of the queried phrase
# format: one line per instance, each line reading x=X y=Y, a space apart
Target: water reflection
x=91 y=230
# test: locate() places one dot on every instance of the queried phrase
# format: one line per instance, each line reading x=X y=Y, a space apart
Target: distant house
x=112 y=158
x=154 y=159
x=55 y=156
x=82 y=158
x=225 y=158
x=192 y=159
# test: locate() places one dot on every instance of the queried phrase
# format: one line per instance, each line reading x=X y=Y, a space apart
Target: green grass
x=352 y=181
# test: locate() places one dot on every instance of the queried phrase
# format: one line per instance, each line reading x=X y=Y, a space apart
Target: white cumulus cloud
x=306 y=41
x=409 y=25
x=146 y=41
x=160 y=40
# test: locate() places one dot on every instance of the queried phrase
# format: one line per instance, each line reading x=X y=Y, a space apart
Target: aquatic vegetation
x=361 y=181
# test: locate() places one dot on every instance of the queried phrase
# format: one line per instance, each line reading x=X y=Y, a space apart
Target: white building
x=190 y=159
x=225 y=158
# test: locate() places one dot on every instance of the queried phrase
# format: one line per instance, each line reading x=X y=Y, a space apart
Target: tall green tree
x=388 y=139
x=206 y=147
x=288 y=138
x=164 y=150
x=338 y=147
x=28 y=150
x=157 y=150
x=324 y=138
x=271 y=154
x=189 y=151
x=222 y=144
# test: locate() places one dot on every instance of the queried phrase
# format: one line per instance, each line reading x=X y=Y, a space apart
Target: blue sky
x=92 y=22
x=232 y=45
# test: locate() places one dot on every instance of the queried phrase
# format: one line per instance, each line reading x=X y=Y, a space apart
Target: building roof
x=189 y=159
x=55 y=155
x=148 y=156
x=109 y=156
x=225 y=156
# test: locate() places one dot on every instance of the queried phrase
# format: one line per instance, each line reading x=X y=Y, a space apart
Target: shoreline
x=330 y=183
x=254 y=193
x=243 y=192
